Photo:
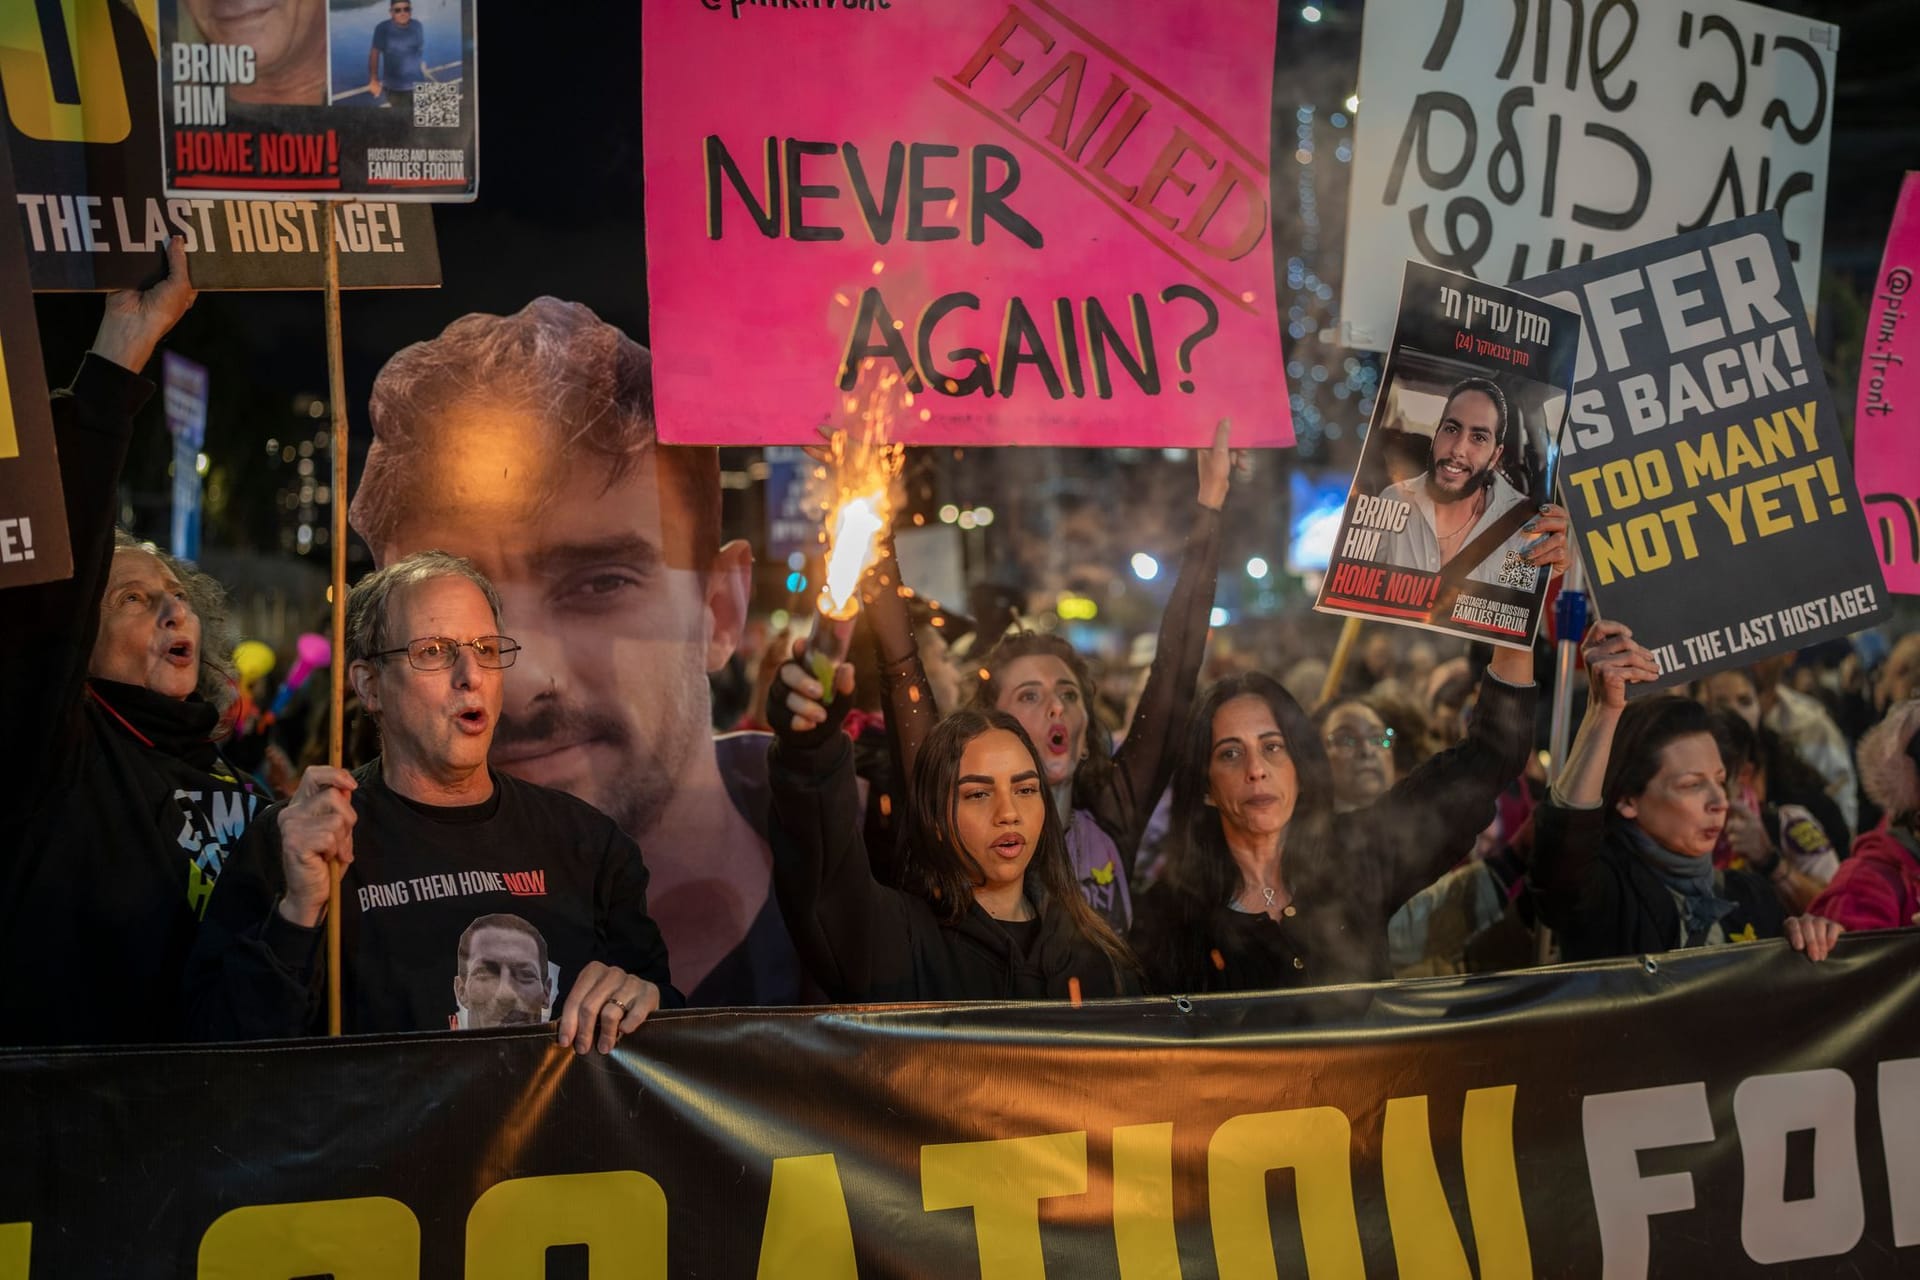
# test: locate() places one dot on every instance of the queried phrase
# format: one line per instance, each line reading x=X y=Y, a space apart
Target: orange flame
x=859 y=506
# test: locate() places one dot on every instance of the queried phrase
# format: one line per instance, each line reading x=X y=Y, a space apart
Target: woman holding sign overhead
x=1623 y=849
x=1269 y=883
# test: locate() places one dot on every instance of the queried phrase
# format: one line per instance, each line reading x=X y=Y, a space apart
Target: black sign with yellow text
x=1703 y=464
x=1735 y=1111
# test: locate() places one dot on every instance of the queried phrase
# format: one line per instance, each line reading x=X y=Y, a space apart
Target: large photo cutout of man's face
x=502 y=977
x=525 y=443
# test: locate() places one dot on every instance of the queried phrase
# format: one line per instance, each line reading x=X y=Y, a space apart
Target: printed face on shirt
x=1466 y=447
x=439 y=723
x=1250 y=774
x=1040 y=692
x=608 y=697
x=1362 y=768
x=1733 y=691
x=999 y=807
x=149 y=634
x=1684 y=806
x=504 y=982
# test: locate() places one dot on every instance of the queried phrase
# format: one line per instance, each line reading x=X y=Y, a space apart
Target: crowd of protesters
x=918 y=825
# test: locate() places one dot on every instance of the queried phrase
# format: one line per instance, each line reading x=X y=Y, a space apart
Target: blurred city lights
x=1257 y=567
x=1145 y=567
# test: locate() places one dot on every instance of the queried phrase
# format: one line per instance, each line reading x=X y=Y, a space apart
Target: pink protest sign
x=1049 y=219
x=1886 y=430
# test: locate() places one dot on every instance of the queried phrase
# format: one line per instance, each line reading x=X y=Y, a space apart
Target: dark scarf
x=181 y=727
x=1689 y=877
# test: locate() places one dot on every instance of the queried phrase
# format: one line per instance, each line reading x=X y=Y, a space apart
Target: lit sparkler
x=860 y=465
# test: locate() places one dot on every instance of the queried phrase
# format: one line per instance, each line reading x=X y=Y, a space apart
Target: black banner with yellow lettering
x=1730 y=1112
x=1712 y=496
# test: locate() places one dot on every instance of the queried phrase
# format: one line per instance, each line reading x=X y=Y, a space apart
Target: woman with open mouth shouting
x=1103 y=797
x=989 y=909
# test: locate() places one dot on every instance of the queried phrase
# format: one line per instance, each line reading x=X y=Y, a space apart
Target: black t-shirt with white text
x=452 y=916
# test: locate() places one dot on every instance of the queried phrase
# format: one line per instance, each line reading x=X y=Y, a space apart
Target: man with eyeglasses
x=401 y=43
x=527 y=443
x=1360 y=749
x=432 y=841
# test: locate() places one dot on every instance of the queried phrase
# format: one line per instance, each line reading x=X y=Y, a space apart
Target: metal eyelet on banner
x=1183 y=1004
x=1653 y=966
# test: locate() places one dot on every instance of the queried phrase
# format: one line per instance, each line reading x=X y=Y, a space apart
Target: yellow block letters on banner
x=1143 y=1233
x=1004 y=1181
x=368 y=1238
x=807 y=1234
x=16 y=1250
x=1426 y=1243
x=621 y=1216
x=1313 y=1142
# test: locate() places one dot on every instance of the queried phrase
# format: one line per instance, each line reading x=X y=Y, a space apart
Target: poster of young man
x=89 y=186
x=1458 y=460
x=330 y=98
x=1704 y=468
x=33 y=513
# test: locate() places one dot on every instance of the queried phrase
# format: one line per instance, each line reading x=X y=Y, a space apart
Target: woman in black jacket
x=1623 y=848
x=990 y=911
x=1268 y=886
x=1104 y=797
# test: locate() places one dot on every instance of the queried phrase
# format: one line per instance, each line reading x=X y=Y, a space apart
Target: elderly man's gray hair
x=369 y=620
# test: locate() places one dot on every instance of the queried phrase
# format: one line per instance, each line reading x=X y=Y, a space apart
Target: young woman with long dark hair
x=1103 y=798
x=1268 y=885
x=989 y=907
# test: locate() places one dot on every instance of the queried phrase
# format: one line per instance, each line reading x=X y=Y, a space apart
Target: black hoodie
x=119 y=811
x=865 y=942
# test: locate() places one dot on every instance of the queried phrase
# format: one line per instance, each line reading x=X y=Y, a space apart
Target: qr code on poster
x=436 y=106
